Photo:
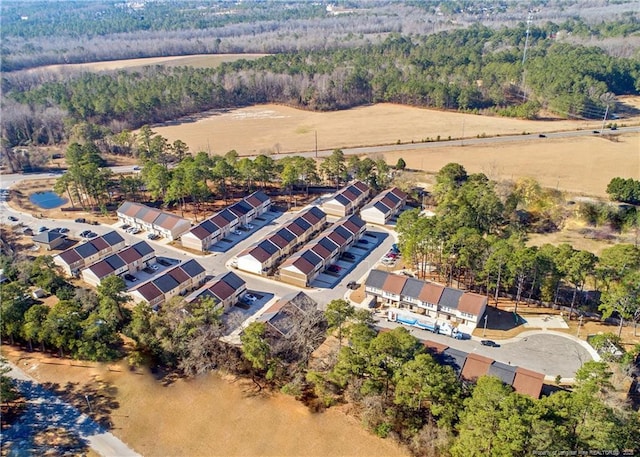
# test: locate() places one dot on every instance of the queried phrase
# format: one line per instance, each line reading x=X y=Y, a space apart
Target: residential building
x=225 y=289
x=384 y=206
x=128 y=260
x=219 y=225
x=305 y=265
x=470 y=367
x=347 y=200
x=179 y=280
x=153 y=220
x=263 y=256
x=426 y=298
x=49 y=240
x=283 y=317
x=78 y=257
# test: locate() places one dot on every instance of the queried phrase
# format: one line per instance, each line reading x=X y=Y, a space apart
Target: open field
x=583 y=165
x=197 y=61
x=207 y=416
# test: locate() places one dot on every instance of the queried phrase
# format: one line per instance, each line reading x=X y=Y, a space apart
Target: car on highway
x=542 y=135
x=136 y=168
x=489 y=343
x=596 y=131
x=13 y=219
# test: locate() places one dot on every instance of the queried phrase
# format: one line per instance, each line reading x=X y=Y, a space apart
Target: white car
x=154 y=267
x=250 y=297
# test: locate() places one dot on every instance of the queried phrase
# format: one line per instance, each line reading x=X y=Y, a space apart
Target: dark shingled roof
x=340 y=198
x=302 y=223
x=114 y=261
x=376 y=279
x=412 y=288
x=450 y=298
x=311 y=257
x=47 y=237
x=86 y=250
x=233 y=280
x=257 y=253
x=328 y=243
x=143 y=248
x=112 y=238
x=317 y=212
x=454 y=358
x=286 y=234
x=343 y=232
x=166 y=283
x=505 y=372
x=192 y=267
x=268 y=246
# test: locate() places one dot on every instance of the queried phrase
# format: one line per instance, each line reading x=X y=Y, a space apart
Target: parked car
x=134 y=230
x=13 y=219
x=391 y=255
x=489 y=343
x=237 y=232
x=92 y=235
x=251 y=226
x=85 y=233
x=42 y=229
x=153 y=236
x=348 y=256
x=352 y=285
x=363 y=242
x=63 y=230
x=164 y=263
x=370 y=235
x=136 y=168
x=131 y=278
x=395 y=248
x=334 y=268
x=80 y=220
x=249 y=297
x=125 y=226
x=154 y=267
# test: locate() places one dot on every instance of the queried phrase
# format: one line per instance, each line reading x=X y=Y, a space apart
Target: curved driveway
x=549 y=353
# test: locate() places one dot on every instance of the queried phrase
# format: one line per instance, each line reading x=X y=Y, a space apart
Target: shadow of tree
x=96 y=399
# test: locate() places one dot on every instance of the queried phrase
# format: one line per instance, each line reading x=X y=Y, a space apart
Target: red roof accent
x=100 y=244
x=476 y=366
x=431 y=293
x=179 y=275
x=528 y=382
x=472 y=303
x=394 y=284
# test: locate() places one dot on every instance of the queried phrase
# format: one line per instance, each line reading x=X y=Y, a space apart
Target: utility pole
x=524 y=55
x=604 y=120
x=316 y=134
x=484 y=331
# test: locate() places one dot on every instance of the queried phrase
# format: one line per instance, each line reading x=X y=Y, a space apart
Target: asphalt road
x=45 y=409
x=545 y=352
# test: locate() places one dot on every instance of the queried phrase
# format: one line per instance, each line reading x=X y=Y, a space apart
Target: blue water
x=47 y=200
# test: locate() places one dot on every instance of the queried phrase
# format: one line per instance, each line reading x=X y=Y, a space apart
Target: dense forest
x=485 y=72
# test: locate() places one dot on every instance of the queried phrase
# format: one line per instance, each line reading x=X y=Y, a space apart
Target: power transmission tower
x=524 y=54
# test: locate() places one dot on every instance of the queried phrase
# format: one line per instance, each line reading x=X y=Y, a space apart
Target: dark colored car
x=13 y=219
x=370 y=235
x=489 y=343
x=131 y=278
x=363 y=242
x=334 y=268
x=164 y=263
x=92 y=235
x=80 y=220
x=542 y=135
x=353 y=285
x=348 y=256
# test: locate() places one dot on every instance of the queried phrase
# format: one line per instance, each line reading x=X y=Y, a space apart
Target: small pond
x=47 y=200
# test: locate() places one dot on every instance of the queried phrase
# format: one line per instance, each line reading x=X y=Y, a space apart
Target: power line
x=524 y=54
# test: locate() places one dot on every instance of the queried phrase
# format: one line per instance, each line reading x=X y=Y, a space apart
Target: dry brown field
x=207 y=416
x=197 y=61
x=582 y=165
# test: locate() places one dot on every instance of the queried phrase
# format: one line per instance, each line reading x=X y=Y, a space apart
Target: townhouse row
x=263 y=256
x=152 y=220
x=347 y=200
x=126 y=261
x=82 y=255
x=305 y=265
x=426 y=298
x=216 y=227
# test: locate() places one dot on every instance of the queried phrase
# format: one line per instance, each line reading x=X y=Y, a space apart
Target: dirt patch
x=208 y=415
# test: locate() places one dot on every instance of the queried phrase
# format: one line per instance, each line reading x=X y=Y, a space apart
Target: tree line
x=478 y=240
x=624 y=190
x=483 y=72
